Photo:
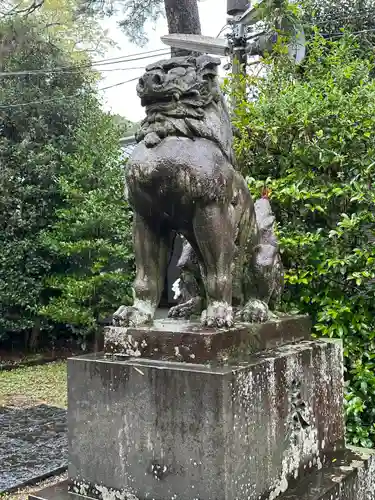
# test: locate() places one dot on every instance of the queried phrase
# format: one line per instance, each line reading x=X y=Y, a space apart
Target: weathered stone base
x=350 y=477
x=160 y=430
x=189 y=342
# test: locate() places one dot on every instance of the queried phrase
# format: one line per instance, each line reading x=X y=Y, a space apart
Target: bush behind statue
x=309 y=136
x=64 y=228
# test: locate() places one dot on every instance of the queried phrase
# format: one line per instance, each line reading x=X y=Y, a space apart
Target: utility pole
x=240 y=43
x=238 y=54
x=182 y=17
x=239 y=58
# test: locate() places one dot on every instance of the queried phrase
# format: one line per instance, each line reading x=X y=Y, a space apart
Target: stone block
x=152 y=429
x=189 y=342
x=347 y=476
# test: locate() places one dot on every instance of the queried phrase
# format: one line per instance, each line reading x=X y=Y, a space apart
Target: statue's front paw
x=131 y=316
x=186 y=309
x=218 y=314
x=255 y=311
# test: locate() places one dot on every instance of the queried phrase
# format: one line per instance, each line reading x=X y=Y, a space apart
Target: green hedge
x=309 y=136
x=66 y=257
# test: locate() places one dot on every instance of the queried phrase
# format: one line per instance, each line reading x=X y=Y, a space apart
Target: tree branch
x=17 y=10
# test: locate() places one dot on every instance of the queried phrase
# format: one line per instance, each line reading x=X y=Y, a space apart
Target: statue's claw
x=131 y=316
x=255 y=311
x=186 y=309
x=218 y=314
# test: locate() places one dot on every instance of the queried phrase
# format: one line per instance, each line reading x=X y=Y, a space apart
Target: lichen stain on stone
x=325 y=373
x=131 y=347
x=257 y=388
x=272 y=422
x=363 y=485
x=159 y=471
x=329 y=384
x=109 y=494
x=245 y=393
x=101 y=492
x=337 y=479
x=366 y=481
x=303 y=441
x=208 y=342
x=122 y=453
x=119 y=343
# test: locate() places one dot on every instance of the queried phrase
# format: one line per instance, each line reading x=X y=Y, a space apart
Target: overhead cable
x=48 y=72
x=77 y=67
x=52 y=99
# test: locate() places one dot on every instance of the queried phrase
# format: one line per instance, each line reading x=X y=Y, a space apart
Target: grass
x=34 y=385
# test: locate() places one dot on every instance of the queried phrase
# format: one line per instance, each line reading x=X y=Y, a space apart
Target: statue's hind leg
x=151 y=246
x=214 y=230
x=246 y=236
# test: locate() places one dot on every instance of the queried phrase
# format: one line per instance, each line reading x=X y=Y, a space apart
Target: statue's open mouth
x=155 y=99
x=165 y=100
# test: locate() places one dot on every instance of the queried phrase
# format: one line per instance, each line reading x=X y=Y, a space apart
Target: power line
x=77 y=67
x=337 y=35
x=52 y=99
x=222 y=30
x=120 y=83
x=129 y=55
x=135 y=59
x=42 y=72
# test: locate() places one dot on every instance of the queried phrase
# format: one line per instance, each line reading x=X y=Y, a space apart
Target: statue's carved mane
x=184 y=99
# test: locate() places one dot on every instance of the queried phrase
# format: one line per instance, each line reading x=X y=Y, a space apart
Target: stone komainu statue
x=181 y=178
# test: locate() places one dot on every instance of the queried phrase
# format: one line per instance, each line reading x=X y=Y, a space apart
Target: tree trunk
x=35 y=335
x=182 y=17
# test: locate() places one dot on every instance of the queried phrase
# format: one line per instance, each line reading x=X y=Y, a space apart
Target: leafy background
x=309 y=137
x=66 y=259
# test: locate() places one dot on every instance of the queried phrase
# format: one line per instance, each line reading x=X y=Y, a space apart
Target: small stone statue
x=182 y=178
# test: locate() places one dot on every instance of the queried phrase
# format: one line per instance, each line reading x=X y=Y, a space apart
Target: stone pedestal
x=188 y=341
x=231 y=423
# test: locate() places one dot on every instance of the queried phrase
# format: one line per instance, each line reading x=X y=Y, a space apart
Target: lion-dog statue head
x=182 y=97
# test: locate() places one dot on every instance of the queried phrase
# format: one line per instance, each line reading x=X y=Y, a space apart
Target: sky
x=123 y=99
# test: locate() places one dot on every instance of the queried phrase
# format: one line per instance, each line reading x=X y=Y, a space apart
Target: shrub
x=91 y=237
x=309 y=137
x=63 y=223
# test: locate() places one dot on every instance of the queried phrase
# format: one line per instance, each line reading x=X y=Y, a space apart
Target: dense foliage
x=63 y=229
x=62 y=23
x=309 y=136
x=91 y=237
x=125 y=127
x=331 y=16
